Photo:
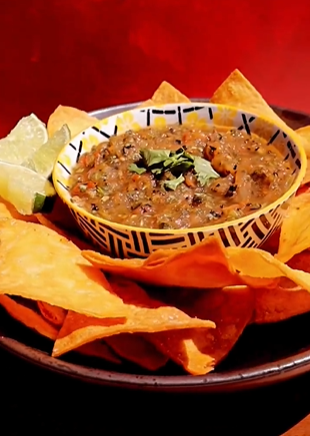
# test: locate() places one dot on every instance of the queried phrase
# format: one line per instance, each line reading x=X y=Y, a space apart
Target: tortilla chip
x=202 y=266
x=287 y=299
x=199 y=350
x=99 y=349
x=53 y=314
x=137 y=349
x=304 y=132
x=306 y=178
x=28 y=317
x=295 y=234
x=144 y=315
x=165 y=94
x=76 y=120
x=303 y=189
x=7 y=210
x=146 y=103
x=56 y=271
x=274 y=305
x=255 y=266
x=237 y=91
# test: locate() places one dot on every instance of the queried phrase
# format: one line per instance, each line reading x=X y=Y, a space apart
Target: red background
x=94 y=53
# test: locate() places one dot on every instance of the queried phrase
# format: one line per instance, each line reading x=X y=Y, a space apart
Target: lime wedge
x=43 y=160
x=26 y=190
x=26 y=137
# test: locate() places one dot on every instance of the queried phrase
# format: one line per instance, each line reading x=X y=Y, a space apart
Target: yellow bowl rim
x=212 y=228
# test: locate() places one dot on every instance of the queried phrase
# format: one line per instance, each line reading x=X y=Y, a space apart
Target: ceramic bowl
x=123 y=241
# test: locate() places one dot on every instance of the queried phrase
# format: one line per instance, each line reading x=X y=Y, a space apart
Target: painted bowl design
x=124 y=241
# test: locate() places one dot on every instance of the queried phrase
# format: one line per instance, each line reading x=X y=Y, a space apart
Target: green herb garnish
x=204 y=170
x=177 y=162
x=135 y=169
x=154 y=157
x=174 y=183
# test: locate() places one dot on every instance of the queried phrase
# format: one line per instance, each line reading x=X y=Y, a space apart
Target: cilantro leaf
x=174 y=183
x=135 y=169
x=177 y=162
x=204 y=170
x=154 y=157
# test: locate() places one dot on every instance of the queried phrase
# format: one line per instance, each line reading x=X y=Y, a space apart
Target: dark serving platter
x=265 y=354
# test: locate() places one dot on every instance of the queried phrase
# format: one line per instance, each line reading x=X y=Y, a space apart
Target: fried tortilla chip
x=255 y=266
x=303 y=189
x=146 y=103
x=206 y=265
x=237 y=91
x=200 y=350
x=53 y=314
x=286 y=299
x=202 y=266
x=306 y=178
x=295 y=234
x=57 y=273
x=280 y=303
x=165 y=94
x=304 y=132
x=76 y=120
x=7 y=210
x=99 y=349
x=144 y=315
x=28 y=317
x=137 y=349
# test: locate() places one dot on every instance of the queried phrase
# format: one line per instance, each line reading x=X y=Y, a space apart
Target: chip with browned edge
x=202 y=266
x=295 y=234
x=144 y=315
x=7 y=210
x=53 y=314
x=28 y=317
x=199 y=350
x=254 y=266
x=75 y=119
x=238 y=92
x=286 y=299
x=304 y=132
x=165 y=94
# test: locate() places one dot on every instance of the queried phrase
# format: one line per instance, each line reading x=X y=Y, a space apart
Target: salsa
x=179 y=177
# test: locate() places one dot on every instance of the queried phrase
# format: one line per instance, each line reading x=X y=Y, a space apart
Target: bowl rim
x=209 y=228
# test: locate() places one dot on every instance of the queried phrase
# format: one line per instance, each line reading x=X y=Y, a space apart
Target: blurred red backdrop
x=95 y=53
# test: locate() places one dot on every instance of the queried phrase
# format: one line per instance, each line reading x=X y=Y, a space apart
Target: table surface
x=38 y=402
x=92 y=54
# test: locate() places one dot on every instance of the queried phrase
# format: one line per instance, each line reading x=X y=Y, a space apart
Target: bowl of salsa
x=172 y=175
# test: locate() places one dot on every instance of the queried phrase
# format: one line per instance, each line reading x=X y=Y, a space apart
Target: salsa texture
x=179 y=177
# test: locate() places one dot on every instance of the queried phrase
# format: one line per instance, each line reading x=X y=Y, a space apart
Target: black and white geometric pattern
x=125 y=241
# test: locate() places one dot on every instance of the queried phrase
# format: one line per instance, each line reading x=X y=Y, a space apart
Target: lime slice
x=43 y=160
x=26 y=137
x=23 y=188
